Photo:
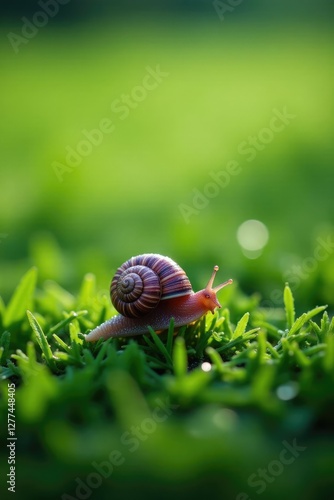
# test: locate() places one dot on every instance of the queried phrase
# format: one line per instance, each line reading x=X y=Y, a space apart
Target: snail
x=149 y=290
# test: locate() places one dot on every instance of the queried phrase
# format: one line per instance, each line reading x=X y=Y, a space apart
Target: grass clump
x=211 y=407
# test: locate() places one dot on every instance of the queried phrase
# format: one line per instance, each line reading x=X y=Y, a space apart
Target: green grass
x=206 y=411
x=203 y=410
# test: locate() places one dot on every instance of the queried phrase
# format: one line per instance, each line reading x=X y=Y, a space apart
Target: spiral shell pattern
x=142 y=281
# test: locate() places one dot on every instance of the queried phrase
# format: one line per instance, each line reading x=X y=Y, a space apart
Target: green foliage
x=21 y=299
x=199 y=411
x=226 y=389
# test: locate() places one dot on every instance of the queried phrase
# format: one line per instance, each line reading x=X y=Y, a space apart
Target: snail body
x=149 y=290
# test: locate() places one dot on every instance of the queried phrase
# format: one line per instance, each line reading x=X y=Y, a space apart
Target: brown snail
x=149 y=290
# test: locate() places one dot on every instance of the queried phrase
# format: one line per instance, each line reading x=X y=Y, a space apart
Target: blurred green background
x=225 y=77
x=148 y=186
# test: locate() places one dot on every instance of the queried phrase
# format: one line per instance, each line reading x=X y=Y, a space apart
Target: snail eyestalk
x=213 y=275
x=219 y=287
x=211 y=280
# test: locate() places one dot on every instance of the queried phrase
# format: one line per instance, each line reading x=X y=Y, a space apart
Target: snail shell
x=142 y=281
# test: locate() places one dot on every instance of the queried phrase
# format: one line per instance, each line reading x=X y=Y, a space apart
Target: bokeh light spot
x=287 y=391
x=252 y=236
x=225 y=418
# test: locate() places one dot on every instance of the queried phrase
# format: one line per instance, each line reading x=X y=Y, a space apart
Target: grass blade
x=180 y=357
x=328 y=360
x=304 y=318
x=203 y=342
x=289 y=306
x=240 y=340
x=61 y=343
x=227 y=324
x=2 y=312
x=87 y=290
x=241 y=326
x=21 y=299
x=64 y=322
x=160 y=346
x=42 y=341
x=4 y=344
x=170 y=336
x=215 y=358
